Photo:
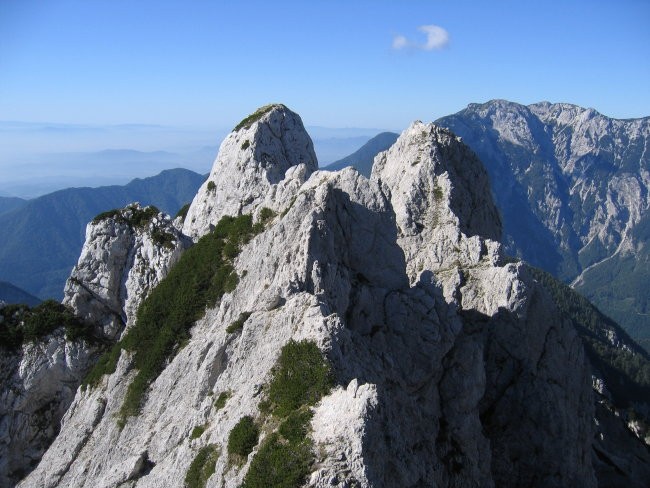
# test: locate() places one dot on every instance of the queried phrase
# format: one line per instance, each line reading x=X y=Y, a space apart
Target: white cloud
x=436 y=38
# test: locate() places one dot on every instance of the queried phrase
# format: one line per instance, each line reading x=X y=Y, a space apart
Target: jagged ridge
x=452 y=366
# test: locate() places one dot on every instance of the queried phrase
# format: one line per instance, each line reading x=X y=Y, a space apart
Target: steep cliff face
x=509 y=321
x=572 y=185
x=127 y=252
x=447 y=371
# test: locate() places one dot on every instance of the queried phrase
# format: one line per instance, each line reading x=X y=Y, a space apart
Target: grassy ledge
x=198 y=281
x=301 y=377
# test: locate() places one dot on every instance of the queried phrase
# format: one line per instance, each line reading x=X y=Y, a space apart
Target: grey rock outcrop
x=441 y=382
x=38 y=384
x=252 y=159
x=119 y=264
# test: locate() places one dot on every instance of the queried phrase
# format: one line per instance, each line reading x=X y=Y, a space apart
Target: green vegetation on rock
x=221 y=400
x=200 y=278
x=239 y=323
x=254 y=117
x=279 y=464
x=202 y=467
x=301 y=377
x=20 y=323
x=182 y=212
x=139 y=217
x=296 y=426
x=197 y=431
x=243 y=437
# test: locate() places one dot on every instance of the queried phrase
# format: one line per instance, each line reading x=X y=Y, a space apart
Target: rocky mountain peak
x=252 y=159
x=441 y=195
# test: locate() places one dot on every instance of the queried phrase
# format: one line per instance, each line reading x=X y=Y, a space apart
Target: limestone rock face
x=251 y=160
x=468 y=378
x=441 y=196
x=509 y=320
x=119 y=264
x=38 y=385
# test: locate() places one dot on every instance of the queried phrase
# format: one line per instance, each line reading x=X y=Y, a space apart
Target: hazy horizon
x=38 y=158
x=79 y=78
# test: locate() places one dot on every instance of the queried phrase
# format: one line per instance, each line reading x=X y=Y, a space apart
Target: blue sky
x=210 y=63
x=201 y=66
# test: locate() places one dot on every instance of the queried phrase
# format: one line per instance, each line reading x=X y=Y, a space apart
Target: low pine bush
x=301 y=376
x=243 y=437
x=202 y=467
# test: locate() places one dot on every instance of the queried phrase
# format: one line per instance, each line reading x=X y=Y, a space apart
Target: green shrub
x=162 y=238
x=11 y=329
x=106 y=364
x=279 y=464
x=197 y=431
x=246 y=145
x=296 y=425
x=211 y=186
x=199 y=279
x=243 y=437
x=183 y=211
x=239 y=323
x=301 y=376
x=21 y=323
x=221 y=400
x=254 y=117
x=202 y=467
x=266 y=214
x=140 y=217
x=109 y=214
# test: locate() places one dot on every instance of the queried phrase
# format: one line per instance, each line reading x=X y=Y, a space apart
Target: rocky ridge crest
x=449 y=371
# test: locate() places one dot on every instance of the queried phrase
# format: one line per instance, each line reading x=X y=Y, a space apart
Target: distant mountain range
x=12 y=294
x=10 y=203
x=572 y=188
x=42 y=238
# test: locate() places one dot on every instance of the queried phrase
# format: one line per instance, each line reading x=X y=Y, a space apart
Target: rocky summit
x=316 y=328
